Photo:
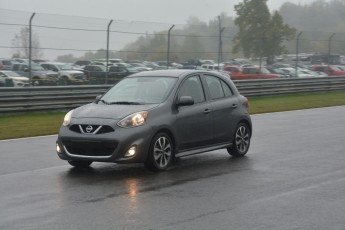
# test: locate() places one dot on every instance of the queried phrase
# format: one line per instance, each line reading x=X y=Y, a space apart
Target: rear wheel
x=161 y=153
x=80 y=164
x=241 y=142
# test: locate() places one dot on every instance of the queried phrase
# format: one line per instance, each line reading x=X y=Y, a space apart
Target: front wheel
x=161 y=153
x=241 y=142
x=80 y=164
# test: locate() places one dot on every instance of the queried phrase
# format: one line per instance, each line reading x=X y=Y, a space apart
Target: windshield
x=11 y=74
x=64 y=67
x=37 y=68
x=265 y=71
x=140 y=90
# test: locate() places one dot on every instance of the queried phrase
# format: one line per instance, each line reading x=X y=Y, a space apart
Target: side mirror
x=98 y=98
x=185 y=100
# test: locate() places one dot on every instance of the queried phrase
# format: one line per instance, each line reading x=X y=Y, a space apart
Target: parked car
x=16 y=79
x=331 y=70
x=39 y=76
x=278 y=71
x=251 y=73
x=96 y=74
x=116 y=73
x=82 y=63
x=67 y=75
x=6 y=64
x=140 y=67
x=234 y=70
x=300 y=73
x=155 y=116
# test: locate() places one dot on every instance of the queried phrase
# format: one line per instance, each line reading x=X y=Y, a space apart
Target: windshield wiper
x=124 y=103
x=103 y=101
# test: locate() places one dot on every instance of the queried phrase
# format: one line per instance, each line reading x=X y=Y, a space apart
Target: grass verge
x=37 y=124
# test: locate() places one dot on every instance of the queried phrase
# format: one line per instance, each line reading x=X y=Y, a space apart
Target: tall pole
x=329 y=48
x=107 y=68
x=261 y=49
x=168 y=52
x=297 y=51
x=30 y=44
x=220 y=45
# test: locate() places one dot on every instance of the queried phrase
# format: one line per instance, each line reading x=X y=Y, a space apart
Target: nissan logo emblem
x=89 y=129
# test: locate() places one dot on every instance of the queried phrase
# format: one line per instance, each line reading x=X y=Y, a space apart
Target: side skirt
x=202 y=150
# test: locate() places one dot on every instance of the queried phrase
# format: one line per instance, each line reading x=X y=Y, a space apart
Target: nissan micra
x=154 y=116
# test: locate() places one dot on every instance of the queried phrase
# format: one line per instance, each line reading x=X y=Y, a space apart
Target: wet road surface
x=292 y=178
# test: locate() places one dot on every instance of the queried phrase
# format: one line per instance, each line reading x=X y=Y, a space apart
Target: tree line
x=253 y=32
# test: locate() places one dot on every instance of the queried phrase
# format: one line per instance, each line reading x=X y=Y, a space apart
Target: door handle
x=207 y=111
x=234 y=106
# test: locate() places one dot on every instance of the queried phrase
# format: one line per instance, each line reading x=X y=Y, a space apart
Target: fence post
x=329 y=48
x=30 y=44
x=168 y=52
x=107 y=68
x=261 y=49
x=297 y=51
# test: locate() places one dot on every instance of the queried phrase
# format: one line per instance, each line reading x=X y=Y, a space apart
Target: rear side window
x=217 y=87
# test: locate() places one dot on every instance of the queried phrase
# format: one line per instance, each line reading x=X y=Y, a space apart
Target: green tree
x=260 y=34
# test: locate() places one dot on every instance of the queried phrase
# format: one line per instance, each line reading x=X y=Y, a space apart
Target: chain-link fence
x=69 y=38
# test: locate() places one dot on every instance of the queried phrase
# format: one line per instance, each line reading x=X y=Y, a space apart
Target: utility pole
x=220 y=45
x=30 y=45
x=168 y=51
x=297 y=51
x=107 y=68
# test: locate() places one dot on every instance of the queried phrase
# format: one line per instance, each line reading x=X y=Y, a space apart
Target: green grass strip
x=38 y=124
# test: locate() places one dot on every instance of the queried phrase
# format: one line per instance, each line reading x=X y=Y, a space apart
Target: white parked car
x=18 y=81
x=68 y=75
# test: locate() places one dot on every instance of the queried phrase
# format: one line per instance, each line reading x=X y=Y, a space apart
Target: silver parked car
x=155 y=116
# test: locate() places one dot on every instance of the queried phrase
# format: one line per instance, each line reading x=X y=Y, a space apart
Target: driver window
x=192 y=87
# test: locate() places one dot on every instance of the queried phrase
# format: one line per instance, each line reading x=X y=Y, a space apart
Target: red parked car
x=331 y=70
x=251 y=73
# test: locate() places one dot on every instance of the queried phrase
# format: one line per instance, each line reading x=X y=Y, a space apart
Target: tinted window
x=226 y=89
x=193 y=87
x=215 y=87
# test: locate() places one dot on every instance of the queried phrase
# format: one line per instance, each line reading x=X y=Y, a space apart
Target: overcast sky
x=170 y=11
x=96 y=14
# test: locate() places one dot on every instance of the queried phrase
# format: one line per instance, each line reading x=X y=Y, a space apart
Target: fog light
x=58 y=149
x=131 y=152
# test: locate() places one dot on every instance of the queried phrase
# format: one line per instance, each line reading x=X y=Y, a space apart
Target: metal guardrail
x=26 y=99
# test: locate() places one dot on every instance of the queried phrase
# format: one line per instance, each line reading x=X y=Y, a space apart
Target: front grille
x=91 y=129
x=89 y=148
x=79 y=76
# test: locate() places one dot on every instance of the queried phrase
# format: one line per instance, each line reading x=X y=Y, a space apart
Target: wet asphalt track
x=292 y=178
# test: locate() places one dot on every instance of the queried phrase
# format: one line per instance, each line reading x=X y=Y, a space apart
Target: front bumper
x=107 y=146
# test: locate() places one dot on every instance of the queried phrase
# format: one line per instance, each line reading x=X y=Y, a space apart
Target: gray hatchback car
x=154 y=116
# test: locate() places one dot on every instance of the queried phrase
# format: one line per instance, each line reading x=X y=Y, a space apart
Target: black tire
x=80 y=164
x=161 y=153
x=241 y=141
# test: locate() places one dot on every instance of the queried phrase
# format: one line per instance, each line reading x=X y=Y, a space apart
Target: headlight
x=67 y=118
x=133 y=120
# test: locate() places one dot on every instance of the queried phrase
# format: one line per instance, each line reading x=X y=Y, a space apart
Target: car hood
x=115 y=112
x=71 y=72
